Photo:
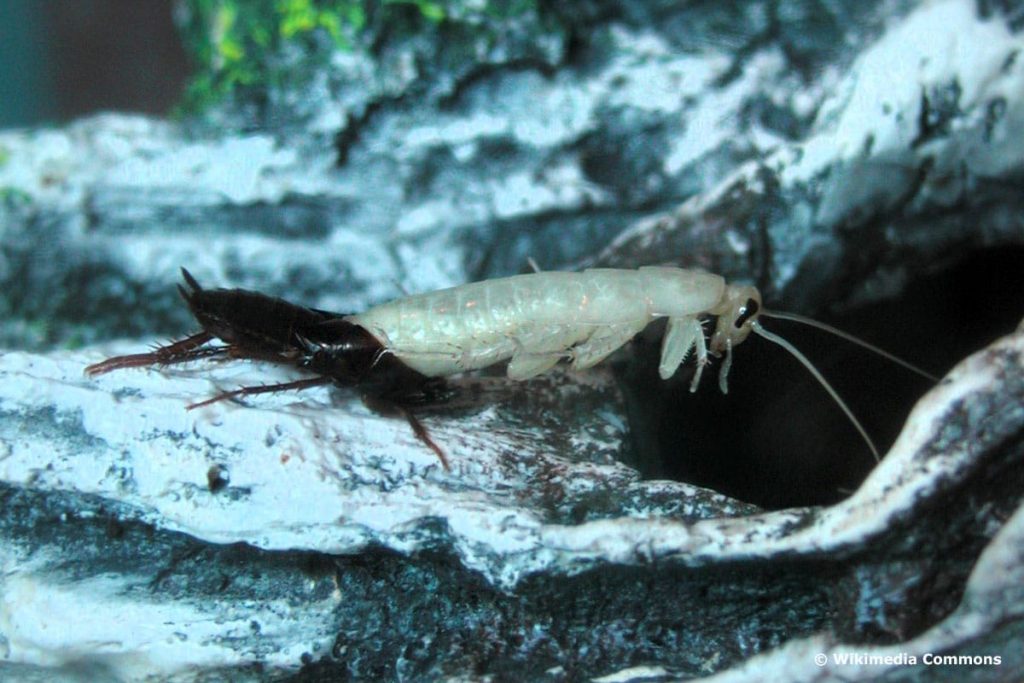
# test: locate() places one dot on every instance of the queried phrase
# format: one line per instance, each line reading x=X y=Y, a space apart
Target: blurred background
x=61 y=59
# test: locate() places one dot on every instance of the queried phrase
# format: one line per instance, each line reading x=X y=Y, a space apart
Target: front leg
x=681 y=335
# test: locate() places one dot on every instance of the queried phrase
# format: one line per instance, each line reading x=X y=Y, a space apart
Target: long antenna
x=795 y=317
x=756 y=327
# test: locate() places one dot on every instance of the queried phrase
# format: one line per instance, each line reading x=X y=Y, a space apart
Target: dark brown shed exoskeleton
x=256 y=326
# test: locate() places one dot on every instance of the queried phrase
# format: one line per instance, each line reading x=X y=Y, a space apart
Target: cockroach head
x=737 y=313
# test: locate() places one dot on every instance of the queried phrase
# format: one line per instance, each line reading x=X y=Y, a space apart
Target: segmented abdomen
x=475 y=325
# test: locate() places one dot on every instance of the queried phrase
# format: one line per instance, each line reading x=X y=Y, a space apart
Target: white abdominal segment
x=538 y=319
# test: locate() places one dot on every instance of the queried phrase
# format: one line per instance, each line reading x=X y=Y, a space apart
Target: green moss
x=240 y=43
x=298 y=17
x=13 y=197
x=75 y=339
x=433 y=11
x=5 y=155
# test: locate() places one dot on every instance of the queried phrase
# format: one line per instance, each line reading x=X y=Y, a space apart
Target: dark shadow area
x=777 y=440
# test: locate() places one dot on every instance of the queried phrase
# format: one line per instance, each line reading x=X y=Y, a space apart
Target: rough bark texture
x=854 y=160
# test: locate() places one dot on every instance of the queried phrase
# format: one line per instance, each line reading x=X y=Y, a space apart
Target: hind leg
x=180 y=351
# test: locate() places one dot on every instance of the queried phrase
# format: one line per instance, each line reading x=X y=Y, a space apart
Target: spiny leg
x=702 y=358
x=180 y=351
x=681 y=335
x=263 y=389
x=390 y=407
x=423 y=435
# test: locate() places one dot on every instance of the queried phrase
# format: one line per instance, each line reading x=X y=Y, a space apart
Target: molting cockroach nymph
x=398 y=353
x=255 y=326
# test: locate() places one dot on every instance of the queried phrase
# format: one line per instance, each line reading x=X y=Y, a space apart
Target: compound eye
x=748 y=311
